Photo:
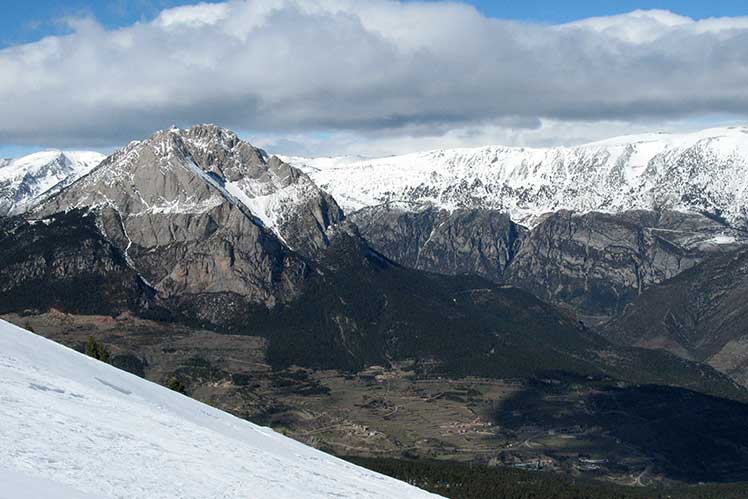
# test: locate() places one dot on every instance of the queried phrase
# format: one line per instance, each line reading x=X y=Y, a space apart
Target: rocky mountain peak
x=202 y=212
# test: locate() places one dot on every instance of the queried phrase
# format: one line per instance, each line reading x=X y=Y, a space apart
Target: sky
x=370 y=77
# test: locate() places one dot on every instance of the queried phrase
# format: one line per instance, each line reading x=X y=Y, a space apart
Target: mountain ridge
x=704 y=171
x=26 y=181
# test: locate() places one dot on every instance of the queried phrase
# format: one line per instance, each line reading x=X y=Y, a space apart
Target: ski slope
x=72 y=427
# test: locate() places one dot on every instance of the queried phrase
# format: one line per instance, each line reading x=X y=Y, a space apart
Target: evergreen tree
x=97 y=350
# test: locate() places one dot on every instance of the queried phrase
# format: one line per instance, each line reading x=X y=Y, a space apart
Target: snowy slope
x=73 y=428
x=26 y=181
x=703 y=171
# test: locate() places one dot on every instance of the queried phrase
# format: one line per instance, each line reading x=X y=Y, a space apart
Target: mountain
x=444 y=211
x=209 y=222
x=26 y=181
x=463 y=241
x=701 y=314
x=606 y=220
x=355 y=308
x=597 y=263
x=361 y=309
x=197 y=256
x=74 y=427
x=702 y=172
x=193 y=171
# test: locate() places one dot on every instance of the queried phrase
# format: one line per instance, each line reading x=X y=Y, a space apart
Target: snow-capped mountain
x=704 y=171
x=201 y=213
x=26 y=181
x=76 y=428
x=190 y=172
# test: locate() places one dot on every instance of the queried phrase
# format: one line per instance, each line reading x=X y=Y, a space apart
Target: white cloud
x=403 y=140
x=193 y=16
x=382 y=72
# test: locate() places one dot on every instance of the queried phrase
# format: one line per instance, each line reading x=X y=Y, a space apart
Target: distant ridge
x=26 y=181
x=705 y=171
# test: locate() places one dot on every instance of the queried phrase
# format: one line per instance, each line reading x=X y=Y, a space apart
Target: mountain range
x=703 y=172
x=532 y=267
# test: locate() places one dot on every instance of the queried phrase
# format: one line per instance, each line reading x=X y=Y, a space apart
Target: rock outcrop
x=465 y=241
x=598 y=263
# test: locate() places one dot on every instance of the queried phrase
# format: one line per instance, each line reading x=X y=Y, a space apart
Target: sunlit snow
x=72 y=427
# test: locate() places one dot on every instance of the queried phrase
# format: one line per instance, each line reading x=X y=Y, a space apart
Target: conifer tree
x=97 y=350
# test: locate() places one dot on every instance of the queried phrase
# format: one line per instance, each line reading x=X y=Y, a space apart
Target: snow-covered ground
x=702 y=171
x=72 y=427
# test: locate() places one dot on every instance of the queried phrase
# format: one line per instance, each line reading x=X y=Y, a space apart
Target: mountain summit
x=199 y=212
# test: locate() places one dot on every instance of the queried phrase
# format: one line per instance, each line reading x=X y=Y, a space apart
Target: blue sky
x=24 y=21
x=565 y=11
x=348 y=79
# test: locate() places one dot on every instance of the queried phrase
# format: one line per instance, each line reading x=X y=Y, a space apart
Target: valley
x=575 y=426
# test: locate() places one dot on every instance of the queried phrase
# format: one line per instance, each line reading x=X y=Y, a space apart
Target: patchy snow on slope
x=274 y=202
x=702 y=171
x=72 y=427
x=722 y=239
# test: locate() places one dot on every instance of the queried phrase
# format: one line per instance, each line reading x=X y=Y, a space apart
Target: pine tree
x=97 y=350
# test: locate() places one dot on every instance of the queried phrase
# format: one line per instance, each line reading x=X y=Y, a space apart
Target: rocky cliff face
x=65 y=262
x=597 y=263
x=700 y=314
x=206 y=218
x=465 y=241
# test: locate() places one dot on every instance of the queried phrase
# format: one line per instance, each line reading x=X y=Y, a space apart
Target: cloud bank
x=371 y=68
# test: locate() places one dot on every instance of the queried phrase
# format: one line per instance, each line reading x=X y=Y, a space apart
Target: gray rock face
x=64 y=263
x=598 y=263
x=702 y=314
x=595 y=263
x=201 y=213
x=465 y=241
x=281 y=196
